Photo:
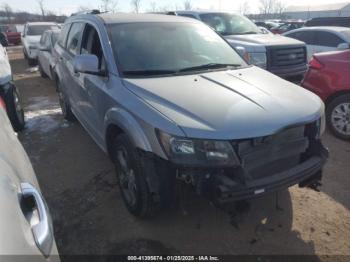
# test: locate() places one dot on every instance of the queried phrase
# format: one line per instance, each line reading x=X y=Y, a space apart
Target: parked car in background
x=247 y=133
x=329 y=77
x=287 y=26
x=267 y=24
x=322 y=39
x=329 y=21
x=31 y=37
x=279 y=55
x=9 y=93
x=13 y=36
x=25 y=221
x=46 y=60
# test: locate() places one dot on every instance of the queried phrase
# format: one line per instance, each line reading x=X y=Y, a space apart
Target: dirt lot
x=80 y=185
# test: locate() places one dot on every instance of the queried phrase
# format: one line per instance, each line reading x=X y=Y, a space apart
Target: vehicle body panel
x=45 y=57
x=333 y=78
x=16 y=237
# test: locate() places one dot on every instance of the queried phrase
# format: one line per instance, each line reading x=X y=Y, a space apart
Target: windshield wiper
x=209 y=66
x=148 y=72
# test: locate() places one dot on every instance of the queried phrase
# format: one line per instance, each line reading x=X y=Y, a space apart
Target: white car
x=45 y=58
x=31 y=37
x=322 y=38
x=25 y=221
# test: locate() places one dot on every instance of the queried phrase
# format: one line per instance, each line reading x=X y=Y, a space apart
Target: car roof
x=41 y=23
x=323 y=28
x=203 y=12
x=119 y=18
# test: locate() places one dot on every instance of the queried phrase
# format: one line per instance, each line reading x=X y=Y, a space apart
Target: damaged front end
x=254 y=166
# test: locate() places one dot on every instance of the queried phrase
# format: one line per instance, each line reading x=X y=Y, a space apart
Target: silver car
x=171 y=101
x=25 y=222
x=46 y=60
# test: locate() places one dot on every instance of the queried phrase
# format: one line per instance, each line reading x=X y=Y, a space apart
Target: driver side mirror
x=343 y=46
x=87 y=64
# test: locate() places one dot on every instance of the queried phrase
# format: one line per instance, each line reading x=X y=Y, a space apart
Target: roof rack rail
x=87 y=12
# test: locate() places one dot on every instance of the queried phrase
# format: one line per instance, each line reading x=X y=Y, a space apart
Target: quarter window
x=74 y=38
x=327 y=39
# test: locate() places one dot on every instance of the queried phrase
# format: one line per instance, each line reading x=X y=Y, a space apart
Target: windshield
x=230 y=24
x=168 y=48
x=40 y=29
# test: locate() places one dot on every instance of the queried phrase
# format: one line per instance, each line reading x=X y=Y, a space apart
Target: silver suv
x=171 y=102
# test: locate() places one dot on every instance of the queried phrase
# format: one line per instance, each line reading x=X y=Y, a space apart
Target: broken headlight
x=197 y=152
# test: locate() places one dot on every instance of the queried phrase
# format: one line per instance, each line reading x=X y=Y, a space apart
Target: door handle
x=42 y=231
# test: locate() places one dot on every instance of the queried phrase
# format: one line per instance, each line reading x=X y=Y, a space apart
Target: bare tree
x=41 y=4
x=109 y=5
x=188 y=5
x=8 y=11
x=153 y=7
x=279 y=8
x=244 y=8
x=136 y=5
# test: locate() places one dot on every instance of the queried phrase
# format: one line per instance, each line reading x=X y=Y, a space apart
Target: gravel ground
x=79 y=183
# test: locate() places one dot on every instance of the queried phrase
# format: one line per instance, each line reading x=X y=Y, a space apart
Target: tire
x=338 y=117
x=65 y=106
x=132 y=178
x=32 y=62
x=14 y=109
x=3 y=40
x=42 y=73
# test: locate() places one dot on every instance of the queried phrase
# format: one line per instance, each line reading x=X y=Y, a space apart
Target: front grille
x=266 y=156
x=286 y=57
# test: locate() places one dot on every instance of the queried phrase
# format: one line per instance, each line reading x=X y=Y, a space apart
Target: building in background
x=307 y=12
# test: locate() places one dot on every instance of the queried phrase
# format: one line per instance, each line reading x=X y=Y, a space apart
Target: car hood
x=264 y=39
x=5 y=69
x=235 y=104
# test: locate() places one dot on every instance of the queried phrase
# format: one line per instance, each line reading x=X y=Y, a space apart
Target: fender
x=129 y=125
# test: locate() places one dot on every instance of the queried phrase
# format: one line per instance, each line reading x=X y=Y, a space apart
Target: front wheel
x=65 y=106
x=338 y=117
x=14 y=109
x=132 y=178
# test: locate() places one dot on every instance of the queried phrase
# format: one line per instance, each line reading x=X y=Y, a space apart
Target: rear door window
x=305 y=36
x=74 y=38
x=327 y=39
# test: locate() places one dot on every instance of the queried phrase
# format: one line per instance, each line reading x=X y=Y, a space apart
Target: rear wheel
x=65 y=106
x=132 y=178
x=14 y=109
x=338 y=117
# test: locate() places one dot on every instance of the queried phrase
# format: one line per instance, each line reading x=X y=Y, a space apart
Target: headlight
x=196 y=152
x=258 y=59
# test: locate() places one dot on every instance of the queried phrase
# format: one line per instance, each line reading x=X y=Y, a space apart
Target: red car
x=328 y=76
x=13 y=36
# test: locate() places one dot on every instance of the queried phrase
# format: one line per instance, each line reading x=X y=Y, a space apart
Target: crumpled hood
x=5 y=68
x=233 y=104
x=264 y=39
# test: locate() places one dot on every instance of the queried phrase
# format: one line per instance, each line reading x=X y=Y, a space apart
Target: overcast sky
x=69 y=6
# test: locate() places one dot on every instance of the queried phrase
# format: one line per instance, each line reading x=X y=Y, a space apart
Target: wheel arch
x=336 y=95
x=118 y=121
